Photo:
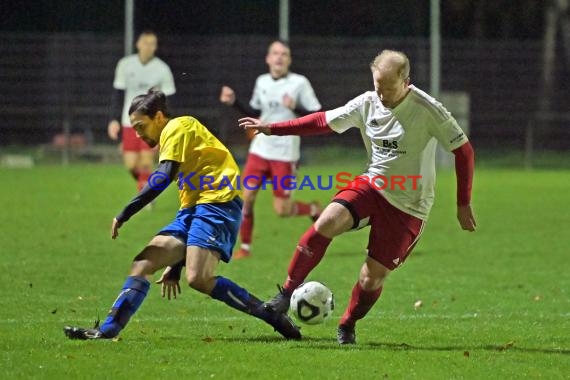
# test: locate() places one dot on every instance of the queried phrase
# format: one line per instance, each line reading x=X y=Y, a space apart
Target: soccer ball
x=312 y=303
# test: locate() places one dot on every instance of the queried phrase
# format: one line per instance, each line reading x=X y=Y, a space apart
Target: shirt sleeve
x=173 y=142
x=167 y=84
x=117 y=101
x=464 y=167
x=307 y=98
x=164 y=175
x=446 y=130
x=255 y=101
x=348 y=116
x=312 y=124
x=120 y=81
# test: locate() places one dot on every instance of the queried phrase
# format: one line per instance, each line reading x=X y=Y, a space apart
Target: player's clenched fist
x=227 y=96
x=113 y=129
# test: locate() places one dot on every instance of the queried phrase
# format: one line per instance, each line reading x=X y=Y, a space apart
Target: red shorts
x=133 y=143
x=281 y=173
x=393 y=233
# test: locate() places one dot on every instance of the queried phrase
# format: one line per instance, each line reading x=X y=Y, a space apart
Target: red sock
x=246 y=229
x=361 y=302
x=142 y=179
x=301 y=208
x=309 y=252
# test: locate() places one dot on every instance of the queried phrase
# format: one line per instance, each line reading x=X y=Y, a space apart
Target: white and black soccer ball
x=312 y=303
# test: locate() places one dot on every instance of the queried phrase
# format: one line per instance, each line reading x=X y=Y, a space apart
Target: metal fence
x=60 y=84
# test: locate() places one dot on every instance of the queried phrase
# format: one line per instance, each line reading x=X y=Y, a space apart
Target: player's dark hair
x=147 y=32
x=282 y=42
x=149 y=104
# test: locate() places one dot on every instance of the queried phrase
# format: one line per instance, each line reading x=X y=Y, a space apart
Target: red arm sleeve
x=313 y=124
x=464 y=166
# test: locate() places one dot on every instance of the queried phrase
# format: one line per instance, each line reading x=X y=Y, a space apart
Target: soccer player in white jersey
x=135 y=75
x=400 y=125
x=278 y=96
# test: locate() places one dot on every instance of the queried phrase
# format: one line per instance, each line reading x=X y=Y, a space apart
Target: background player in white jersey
x=135 y=75
x=278 y=95
x=400 y=125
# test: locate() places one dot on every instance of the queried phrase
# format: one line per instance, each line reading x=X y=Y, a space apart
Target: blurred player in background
x=205 y=228
x=135 y=75
x=278 y=95
x=400 y=125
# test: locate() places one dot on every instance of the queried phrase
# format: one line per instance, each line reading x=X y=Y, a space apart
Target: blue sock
x=127 y=303
x=237 y=297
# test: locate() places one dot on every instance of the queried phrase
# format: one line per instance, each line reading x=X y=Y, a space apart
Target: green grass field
x=496 y=303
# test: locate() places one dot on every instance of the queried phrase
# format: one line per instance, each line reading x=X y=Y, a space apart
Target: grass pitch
x=496 y=302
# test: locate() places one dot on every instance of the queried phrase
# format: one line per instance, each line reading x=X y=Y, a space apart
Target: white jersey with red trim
x=136 y=78
x=268 y=98
x=401 y=144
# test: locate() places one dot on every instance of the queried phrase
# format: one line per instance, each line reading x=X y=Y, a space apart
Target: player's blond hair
x=396 y=58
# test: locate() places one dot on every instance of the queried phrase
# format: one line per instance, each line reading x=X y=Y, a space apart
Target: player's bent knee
x=369 y=284
x=372 y=275
x=247 y=208
x=324 y=223
x=283 y=207
x=249 y=198
x=148 y=166
x=198 y=282
x=282 y=212
x=334 y=220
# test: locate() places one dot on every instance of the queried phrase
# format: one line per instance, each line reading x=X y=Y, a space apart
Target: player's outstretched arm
x=157 y=183
x=464 y=168
x=229 y=98
x=313 y=124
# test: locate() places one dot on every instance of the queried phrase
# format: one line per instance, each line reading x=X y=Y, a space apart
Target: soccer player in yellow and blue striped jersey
x=204 y=230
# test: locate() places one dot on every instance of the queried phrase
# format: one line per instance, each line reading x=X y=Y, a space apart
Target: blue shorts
x=213 y=226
